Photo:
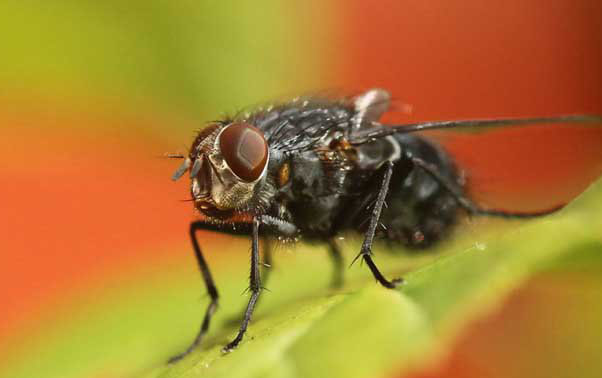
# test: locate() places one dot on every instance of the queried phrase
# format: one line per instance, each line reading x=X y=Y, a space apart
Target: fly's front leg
x=266 y=269
x=277 y=227
x=234 y=229
x=254 y=287
x=366 y=251
x=267 y=259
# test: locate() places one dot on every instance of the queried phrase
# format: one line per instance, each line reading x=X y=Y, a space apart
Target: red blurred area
x=80 y=199
x=473 y=59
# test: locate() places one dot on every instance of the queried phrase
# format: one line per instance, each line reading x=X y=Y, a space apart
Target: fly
x=315 y=168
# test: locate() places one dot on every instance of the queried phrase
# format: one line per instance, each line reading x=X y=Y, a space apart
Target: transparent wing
x=527 y=168
x=470 y=126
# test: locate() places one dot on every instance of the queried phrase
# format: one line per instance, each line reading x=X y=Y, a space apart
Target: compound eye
x=245 y=150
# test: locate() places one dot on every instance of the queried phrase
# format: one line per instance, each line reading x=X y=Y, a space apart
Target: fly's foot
x=377 y=274
x=178 y=357
x=232 y=345
x=396 y=282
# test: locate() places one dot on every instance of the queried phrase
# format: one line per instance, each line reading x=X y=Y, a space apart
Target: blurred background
x=92 y=94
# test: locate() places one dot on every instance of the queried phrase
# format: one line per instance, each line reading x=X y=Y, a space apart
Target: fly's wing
x=369 y=107
x=528 y=168
x=543 y=163
x=469 y=126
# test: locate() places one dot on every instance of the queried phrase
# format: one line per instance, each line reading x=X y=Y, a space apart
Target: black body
x=329 y=192
x=332 y=168
x=324 y=201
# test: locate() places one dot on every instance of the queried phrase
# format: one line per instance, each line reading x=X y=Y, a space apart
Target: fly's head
x=226 y=163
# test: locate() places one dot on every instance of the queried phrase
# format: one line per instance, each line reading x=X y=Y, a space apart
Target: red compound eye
x=245 y=150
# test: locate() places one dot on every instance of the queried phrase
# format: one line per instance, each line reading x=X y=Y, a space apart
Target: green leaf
x=302 y=329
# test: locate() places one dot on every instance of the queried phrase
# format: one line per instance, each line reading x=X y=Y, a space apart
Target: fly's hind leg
x=337 y=261
x=366 y=250
x=466 y=203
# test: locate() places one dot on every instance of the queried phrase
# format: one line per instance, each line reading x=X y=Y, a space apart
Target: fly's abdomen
x=419 y=210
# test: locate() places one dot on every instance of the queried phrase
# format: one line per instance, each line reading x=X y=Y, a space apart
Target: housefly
x=315 y=168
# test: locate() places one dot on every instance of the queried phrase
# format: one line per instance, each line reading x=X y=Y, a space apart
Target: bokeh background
x=92 y=94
